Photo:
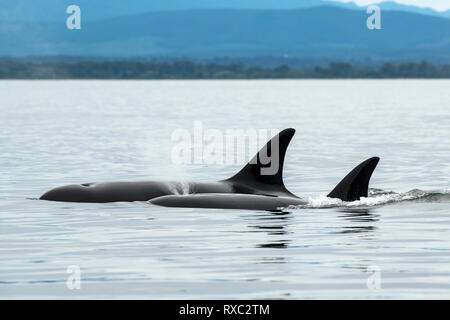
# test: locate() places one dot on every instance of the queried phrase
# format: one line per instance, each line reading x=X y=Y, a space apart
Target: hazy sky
x=440 y=5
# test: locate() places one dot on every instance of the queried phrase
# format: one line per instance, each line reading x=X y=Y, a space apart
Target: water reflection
x=363 y=221
x=274 y=224
x=280 y=244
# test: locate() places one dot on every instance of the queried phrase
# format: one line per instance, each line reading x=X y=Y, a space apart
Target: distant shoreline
x=185 y=70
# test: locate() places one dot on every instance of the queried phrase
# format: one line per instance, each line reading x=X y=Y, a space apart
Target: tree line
x=127 y=69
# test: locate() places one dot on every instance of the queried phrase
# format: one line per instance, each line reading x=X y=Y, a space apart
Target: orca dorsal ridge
x=264 y=172
x=355 y=184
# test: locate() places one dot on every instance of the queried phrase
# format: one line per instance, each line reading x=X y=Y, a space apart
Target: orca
x=249 y=189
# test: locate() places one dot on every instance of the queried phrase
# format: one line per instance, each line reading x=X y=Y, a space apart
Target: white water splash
x=376 y=197
x=324 y=202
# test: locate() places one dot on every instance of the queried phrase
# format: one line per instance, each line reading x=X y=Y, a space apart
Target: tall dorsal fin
x=355 y=184
x=265 y=170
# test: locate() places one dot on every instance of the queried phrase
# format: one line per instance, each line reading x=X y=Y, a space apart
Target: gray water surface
x=54 y=133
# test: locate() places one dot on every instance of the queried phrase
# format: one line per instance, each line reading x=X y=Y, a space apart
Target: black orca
x=250 y=188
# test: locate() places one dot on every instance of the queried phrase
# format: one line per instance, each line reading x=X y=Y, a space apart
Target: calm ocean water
x=387 y=246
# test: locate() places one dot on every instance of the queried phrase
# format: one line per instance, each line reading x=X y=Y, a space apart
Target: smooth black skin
x=355 y=184
x=248 y=189
x=141 y=190
x=228 y=201
x=247 y=181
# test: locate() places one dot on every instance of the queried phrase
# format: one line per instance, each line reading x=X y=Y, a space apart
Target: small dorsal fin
x=355 y=184
x=265 y=170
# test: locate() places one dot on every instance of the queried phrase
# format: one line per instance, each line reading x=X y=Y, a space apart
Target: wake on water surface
x=377 y=197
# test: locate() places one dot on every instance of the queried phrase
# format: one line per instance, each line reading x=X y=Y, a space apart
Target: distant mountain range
x=54 y=10
x=319 y=32
x=394 y=6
